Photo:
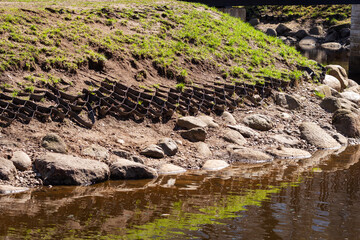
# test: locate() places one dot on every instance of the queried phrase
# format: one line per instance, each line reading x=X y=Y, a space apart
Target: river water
x=316 y=198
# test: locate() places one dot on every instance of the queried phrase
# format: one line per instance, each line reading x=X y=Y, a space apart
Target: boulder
x=127 y=155
x=244 y=130
x=352 y=83
x=214 y=165
x=21 y=160
x=317 y=136
x=249 y=155
x=61 y=169
x=194 y=134
x=8 y=189
x=258 y=122
x=254 y=21
x=123 y=169
x=332 y=36
x=96 y=151
x=332 y=104
x=54 y=142
x=340 y=73
x=190 y=122
x=286 y=139
x=301 y=34
x=169 y=146
x=7 y=169
x=170 y=169
x=203 y=150
x=288 y=153
x=153 y=151
x=228 y=118
x=317 y=30
x=345 y=32
x=209 y=121
x=324 y=90
x=331 y=46
x=332 y=82
x=338 y=27
x=308 y=42
x=351 y=96
x=287 y=101
x=340 y=138
x=282 y=29
x=346 y=123
x=233 y=136
x=271 y=32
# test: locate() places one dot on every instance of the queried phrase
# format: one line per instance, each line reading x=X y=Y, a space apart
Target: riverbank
x=145 y=97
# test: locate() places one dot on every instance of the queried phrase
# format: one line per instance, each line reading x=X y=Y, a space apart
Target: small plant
x=319 y=94
x=14 y=93
x=180 y=87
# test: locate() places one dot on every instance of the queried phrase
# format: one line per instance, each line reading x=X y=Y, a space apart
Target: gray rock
x=301 y=34
x=332 y=82
x=331 y=46
x=214 y=165
x=352 y=83
x=249 y=155
x=258 y=122
x=282 y=29
x=287 y=101
x=346 y=123
x=170 y=169
x=228 y=118
x=7 y=169
x=190 y=122
x=203 y=150
x=96 y=151
x=127 y=155
x=317 y=30
x=332 y=36
x=54 y=142
x=339 y=73
x=351 y=96
x=153 y=151
x=61 y=169
x=244 y=130
x=21 y=160
x=340 y=138
x=286 y=139
x=123 y=169
x=233 y=136
x=332 y=104
x=254 y=21
x=209 y=121
x=317 y=136
x=194 y=134
x=288 y=153
x=271 y=32
x=169 y=146
x=8 y=189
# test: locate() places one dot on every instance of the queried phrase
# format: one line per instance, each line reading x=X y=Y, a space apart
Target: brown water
x=317 y=198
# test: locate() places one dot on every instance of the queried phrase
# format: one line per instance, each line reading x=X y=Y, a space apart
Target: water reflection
x=299 y=199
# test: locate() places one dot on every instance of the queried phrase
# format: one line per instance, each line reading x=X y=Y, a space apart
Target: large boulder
x=332 y=104
x=332 y=36
x=7 y=169
x=190 y=122
x=332 y=82
x=249 y=155
x=340 y=73
x=123 y=169
x=351 y=96
x=54 y=142
x=287 y=101
x=194 y=134
x=346 y=123
x=317 y=30
x=233 y=136
x=61 y=169
x=282 y=29
x=258 y=122
x=21 y=160
x=317 y=136
x=244 y=130
x=153 y=151
x=169 y=146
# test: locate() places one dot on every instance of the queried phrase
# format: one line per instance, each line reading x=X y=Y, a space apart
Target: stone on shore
x=317 y=30
x=233 y=136
x=169 y=146
x=286 y=139
x=282 y=29
x=300 y=34
x=228 y=118
x=190 y=122
x=7 y=169
x=324 y=90
x=8 y=189
x=21 y=160
x=351 y=96
x=61 y=169
x=127 y=155
x=346 y=123
x=331 y=45
x=287 y=101
x=249 y=155
x=288 y=153
x=332 y=82
x=153 y=151
x=54 y=142
x=170 y=169
x=214 y=165
x=332 y=104
x=244 y=130
x=203 y=149
x=271 y=32
x=340 y=138
x=194 y=134
x=209 y=121
x=308 y=42
x=96 y=151
x=317 y=136
x=123 y=169
x=340 y=73
x=258 y=122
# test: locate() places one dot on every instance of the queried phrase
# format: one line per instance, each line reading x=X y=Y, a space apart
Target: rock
x=61 y=169
x=287 y=101
x=351 y=96
x=281 y=29
x=54 y=142
x=340 y=74
x=203 y=149
x=169 y=169
x=258 y=122
x=214 y=165
x=190 y=122
x=8 y=189
x=7 y=169
x=317 y=30
x=352 y=83
x=127 y=155
x=153 y=151
x=8 y=143
x=254 y=21
x=244 y=130
x=332 y=36
x=249 y=155
x=194 y=135
x=228 y=118
x=332 y=104
x=169 y=146
x=233 y=136
x=355 y=89
x=96 y=151
x=209 y=121
x=323 y=90
x=346 y=123
x=337 y=28
x=288 y=153
x=332 y=82
x=340 y=138
x=331 y=46
x=21 y=160
x=286 y=139
x=123 y=169
x=317 y=136
x=308 y=42
x=301 y=34
x=271 y=32
x=345 y=32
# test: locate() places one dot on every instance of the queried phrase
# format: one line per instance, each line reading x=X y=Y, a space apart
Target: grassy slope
x=169 y=41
